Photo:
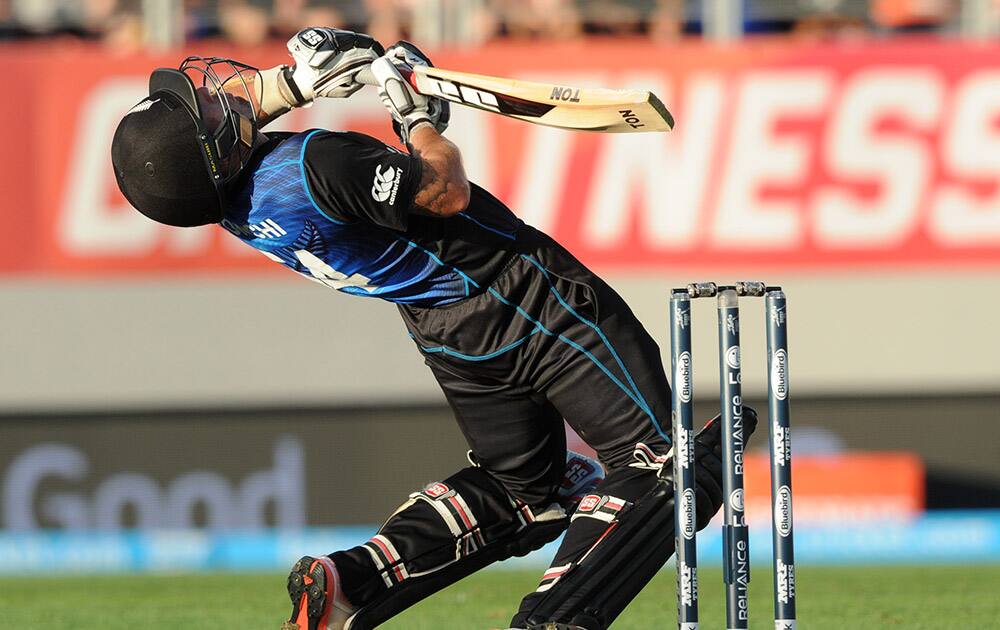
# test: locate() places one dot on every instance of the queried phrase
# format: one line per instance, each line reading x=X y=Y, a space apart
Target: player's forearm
x=444 y=188
x=273 y=91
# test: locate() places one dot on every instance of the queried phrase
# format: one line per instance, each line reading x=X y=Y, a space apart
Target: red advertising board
x=842 y=487
x=785 y=157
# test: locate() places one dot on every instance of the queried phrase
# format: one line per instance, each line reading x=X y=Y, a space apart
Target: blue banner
x=939 y=537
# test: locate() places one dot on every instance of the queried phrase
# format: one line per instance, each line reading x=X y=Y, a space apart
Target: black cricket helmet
x=178 y=148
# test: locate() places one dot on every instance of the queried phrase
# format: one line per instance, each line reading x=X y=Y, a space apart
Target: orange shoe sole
x=311 y=593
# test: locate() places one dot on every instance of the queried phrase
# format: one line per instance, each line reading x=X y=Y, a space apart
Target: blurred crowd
x=121 y=24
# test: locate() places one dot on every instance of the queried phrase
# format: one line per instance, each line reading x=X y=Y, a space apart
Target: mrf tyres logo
x=386 y=183
x=688 y=592
x=782 y=443
x=785 y=574
x=683 y=450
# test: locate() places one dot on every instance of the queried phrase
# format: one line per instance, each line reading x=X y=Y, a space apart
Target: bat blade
x=587 y=109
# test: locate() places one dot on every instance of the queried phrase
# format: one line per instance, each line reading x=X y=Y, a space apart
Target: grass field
x=829 y=598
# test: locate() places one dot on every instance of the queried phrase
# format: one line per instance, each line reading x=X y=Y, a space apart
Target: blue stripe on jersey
x=277 y=214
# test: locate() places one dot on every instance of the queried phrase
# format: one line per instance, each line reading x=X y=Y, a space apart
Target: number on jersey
x=325 y=274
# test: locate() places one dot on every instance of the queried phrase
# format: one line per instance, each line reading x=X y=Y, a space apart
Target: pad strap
x=612 y=549
x=441 y=534
x=456 y=514
x=390 y=565
x=647 y=459
x=603 y=508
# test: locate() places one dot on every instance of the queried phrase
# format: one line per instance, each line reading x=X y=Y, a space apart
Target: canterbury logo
x=386 y=183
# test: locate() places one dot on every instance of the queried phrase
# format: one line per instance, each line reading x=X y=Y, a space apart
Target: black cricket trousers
x=547 y=340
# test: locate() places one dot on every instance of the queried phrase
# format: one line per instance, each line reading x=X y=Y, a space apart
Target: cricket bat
x=555 y=105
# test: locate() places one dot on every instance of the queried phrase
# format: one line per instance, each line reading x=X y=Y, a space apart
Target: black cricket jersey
x=337 y=208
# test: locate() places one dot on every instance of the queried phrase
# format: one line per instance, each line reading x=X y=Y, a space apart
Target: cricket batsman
x=518 y=333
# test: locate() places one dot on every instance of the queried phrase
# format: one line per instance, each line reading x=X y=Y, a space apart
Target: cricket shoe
x=318 y=603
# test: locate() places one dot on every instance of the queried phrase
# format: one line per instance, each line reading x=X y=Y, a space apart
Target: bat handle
x=366 y=77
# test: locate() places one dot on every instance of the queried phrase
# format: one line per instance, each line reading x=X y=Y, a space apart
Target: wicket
x=735 y=533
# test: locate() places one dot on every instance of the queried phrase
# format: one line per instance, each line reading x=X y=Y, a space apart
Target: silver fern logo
x=143 y=105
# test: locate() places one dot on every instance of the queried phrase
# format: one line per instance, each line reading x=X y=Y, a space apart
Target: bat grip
x=366 y=77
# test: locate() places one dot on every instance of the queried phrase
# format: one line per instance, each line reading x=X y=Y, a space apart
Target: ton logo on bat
x=629 y=116
x=565 y=94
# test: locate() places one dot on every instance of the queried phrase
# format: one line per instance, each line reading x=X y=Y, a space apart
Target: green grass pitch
x=829 y=598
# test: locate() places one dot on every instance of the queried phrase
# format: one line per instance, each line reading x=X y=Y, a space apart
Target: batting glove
x=708 y=463
x=407 y=56
x=408 y=108
x=327 y=61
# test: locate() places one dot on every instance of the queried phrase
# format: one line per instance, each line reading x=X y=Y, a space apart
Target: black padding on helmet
x=160 y=165
x=177 y=83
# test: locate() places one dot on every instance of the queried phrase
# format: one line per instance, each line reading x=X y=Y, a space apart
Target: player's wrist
x=290 y=90
x=410 y=125
x=419 y=123
x=276 y=93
